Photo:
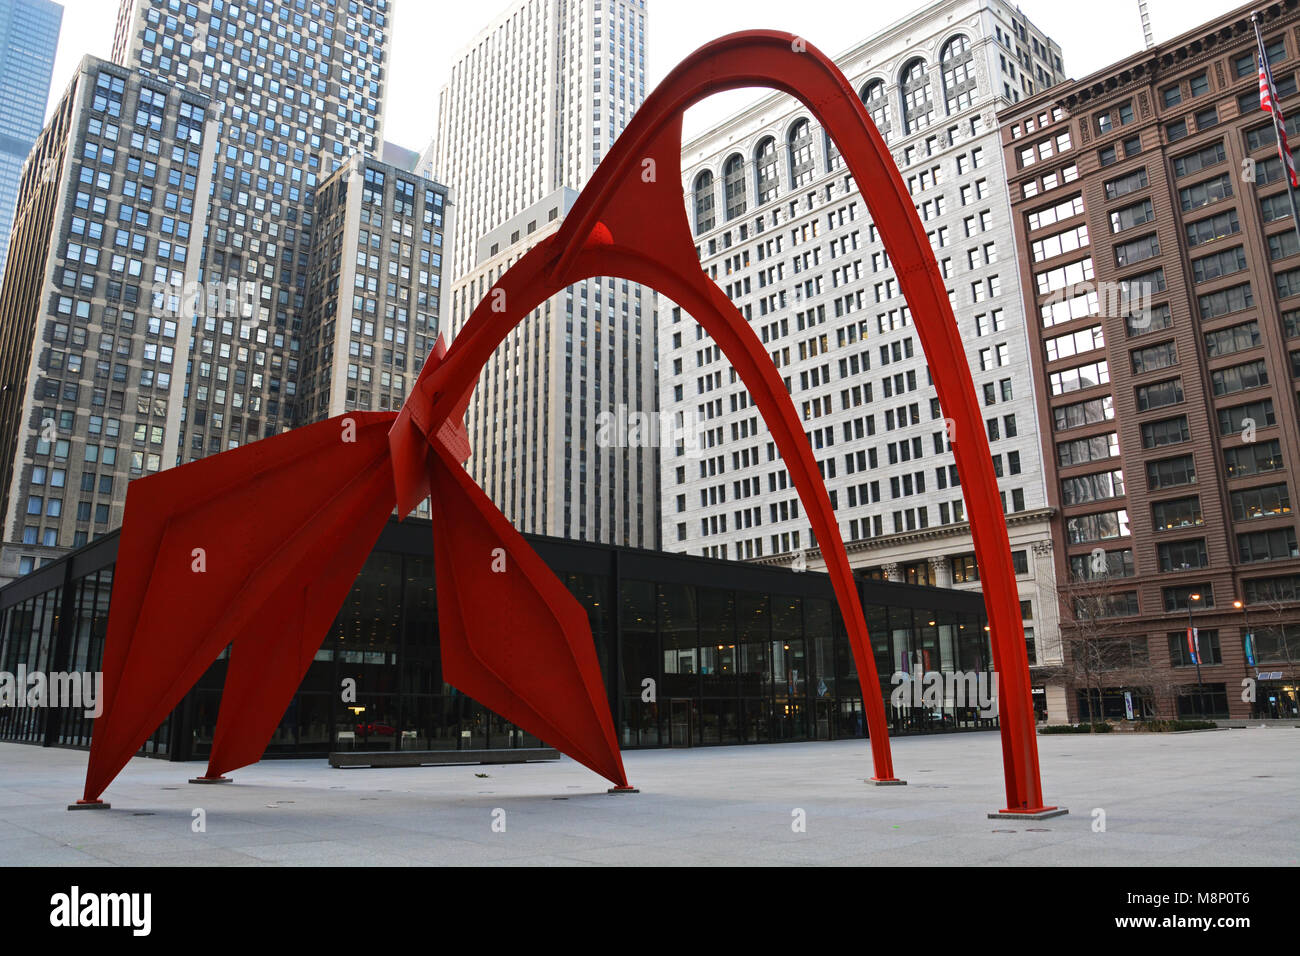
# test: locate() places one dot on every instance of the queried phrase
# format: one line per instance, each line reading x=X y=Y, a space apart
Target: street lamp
x=1248 y=642
x=1195 y=646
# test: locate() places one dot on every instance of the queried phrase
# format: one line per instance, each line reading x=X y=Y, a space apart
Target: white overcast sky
x=428 y=33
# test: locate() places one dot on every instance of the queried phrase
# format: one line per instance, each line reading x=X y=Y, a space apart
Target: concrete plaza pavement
x=1229 y=797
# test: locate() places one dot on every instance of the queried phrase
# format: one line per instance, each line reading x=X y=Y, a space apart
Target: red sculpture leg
x=511 y=634
x=268 y=662
x=208 y=553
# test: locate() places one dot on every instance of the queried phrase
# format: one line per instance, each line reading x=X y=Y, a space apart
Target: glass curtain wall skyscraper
x=29 y=35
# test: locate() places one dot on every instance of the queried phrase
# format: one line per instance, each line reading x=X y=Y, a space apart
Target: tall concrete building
x=29 y=37
x=1163 y=272
x=533 y=103
x=297 y=89
x=783 y=229
x=110 y=206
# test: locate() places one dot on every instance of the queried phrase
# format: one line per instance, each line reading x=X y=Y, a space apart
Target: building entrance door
x=683 y=722
x=825 y=718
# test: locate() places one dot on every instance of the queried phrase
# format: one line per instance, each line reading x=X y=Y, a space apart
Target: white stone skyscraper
x=532 y=104
x=783 y=229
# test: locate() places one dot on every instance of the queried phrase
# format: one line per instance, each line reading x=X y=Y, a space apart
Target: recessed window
x=1216 y=227
x=1159 y=394
x=1170 y=472
x=1153 y=357
x=1168 y=431
x=1176 y=513
x=1223 y=263
x=1206 y=646
x=1262 y=501
x=1180 y=598
x=1239 y=378
x=1277 y=544
x=1236 y=418
x=1183 y=555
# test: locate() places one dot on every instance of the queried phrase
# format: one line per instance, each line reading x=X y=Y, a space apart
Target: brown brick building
x=1162 y=271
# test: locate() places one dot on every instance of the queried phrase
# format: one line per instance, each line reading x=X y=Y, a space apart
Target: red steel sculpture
x=256 y=548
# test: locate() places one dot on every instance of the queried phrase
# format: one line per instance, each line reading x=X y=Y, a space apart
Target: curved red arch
x=634 y=226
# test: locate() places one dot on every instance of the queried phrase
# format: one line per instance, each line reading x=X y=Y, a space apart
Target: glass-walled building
x=694 y=652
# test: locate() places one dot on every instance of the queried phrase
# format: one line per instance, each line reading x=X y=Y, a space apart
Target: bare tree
x=1101 y=649
x=1089 y=629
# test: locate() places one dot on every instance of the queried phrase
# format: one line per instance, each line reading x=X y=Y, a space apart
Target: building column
x=1048 y=646
x=940 y=572
x=1058 y=704
x=1047 y=615
x=892 y=572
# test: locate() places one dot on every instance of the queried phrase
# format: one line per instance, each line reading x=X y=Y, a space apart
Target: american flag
x=1268 y=101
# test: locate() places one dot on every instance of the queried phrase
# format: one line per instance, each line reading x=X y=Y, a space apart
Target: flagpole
x=1295 y=212
x=1278 y=126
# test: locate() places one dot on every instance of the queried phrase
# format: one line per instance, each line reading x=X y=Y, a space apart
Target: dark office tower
x=29 y=34
x=109 y=210
x=1162 y=279
x=372 y=306
x=297 y=89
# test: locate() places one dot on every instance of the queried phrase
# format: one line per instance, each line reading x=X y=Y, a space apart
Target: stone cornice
x=1146 y=66
x=885 y=542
